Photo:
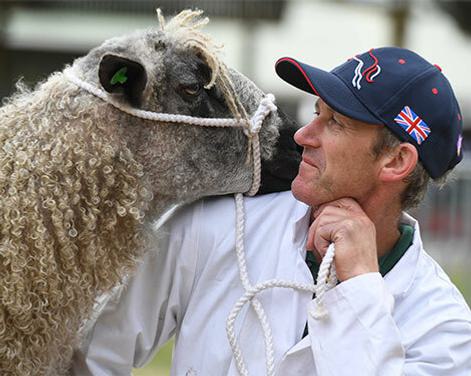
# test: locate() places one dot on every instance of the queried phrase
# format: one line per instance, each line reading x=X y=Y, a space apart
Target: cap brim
x=327 y=86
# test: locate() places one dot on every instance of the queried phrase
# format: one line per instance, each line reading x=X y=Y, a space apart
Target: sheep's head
x=176 y=69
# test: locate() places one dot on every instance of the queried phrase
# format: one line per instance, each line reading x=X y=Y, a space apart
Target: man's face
x=337 y=159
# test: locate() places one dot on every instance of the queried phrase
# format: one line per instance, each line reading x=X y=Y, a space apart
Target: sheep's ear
x=123 y=76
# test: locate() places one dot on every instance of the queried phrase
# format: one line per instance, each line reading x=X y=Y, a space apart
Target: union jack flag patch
x=413 y=124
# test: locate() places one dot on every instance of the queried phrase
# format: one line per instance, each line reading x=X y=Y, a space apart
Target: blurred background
x=38 y=37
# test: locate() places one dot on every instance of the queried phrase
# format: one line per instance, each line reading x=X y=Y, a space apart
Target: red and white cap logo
x=369 y=73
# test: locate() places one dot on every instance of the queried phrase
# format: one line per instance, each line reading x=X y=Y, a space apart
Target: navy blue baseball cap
x=395 y=87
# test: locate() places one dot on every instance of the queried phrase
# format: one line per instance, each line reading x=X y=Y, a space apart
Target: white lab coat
x=411 y=322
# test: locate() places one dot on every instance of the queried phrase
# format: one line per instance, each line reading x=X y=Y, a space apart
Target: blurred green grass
x=462 y=279
x=160 y=365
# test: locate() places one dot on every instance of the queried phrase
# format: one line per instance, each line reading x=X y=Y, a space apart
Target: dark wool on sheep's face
x=80 y=180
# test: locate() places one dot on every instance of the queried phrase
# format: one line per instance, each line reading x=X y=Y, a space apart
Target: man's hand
x=344 y=223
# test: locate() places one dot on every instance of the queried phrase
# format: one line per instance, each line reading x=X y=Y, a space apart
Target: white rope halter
x=251 y=129
x=326 y=278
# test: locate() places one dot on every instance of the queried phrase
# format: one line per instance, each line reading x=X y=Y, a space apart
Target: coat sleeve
x=361 y=337
x=146 y=312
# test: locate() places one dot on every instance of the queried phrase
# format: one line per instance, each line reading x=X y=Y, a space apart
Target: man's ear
x=123 y=77
x=399 y=162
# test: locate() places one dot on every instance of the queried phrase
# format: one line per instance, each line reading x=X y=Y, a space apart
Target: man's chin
x=302 y=192
x=311 y=194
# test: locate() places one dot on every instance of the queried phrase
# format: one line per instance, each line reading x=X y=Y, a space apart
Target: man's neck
x=386 y=220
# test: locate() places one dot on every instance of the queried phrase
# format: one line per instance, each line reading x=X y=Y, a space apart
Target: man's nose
x=309 y=134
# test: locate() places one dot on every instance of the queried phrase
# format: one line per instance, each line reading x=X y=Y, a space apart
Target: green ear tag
x=120 y=76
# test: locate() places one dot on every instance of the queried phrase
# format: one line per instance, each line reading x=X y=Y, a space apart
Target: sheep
x=81 y=182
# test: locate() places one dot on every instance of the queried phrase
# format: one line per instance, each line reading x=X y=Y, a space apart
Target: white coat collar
x=401 y=277
x=301 y=222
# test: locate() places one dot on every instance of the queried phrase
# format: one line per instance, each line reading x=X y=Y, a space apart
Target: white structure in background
x=319 y=32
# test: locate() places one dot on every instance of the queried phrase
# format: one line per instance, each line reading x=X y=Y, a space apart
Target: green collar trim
x=387 y=262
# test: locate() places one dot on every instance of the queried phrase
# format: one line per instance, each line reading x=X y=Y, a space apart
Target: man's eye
x=192 y=89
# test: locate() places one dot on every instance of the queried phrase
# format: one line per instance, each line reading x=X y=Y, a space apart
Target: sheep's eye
x=192 y=89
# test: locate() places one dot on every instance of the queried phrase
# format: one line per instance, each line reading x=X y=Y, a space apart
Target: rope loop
x=325 y=281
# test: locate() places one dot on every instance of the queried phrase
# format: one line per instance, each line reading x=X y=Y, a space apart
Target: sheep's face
x=153 y=71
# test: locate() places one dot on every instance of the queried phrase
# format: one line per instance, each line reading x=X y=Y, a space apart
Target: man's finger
x=343 y=203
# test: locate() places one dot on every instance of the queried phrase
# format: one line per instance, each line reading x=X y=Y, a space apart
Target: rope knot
x=269 y=102
x=267 y=105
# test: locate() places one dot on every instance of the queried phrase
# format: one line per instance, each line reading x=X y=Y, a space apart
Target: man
x=386 y=121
